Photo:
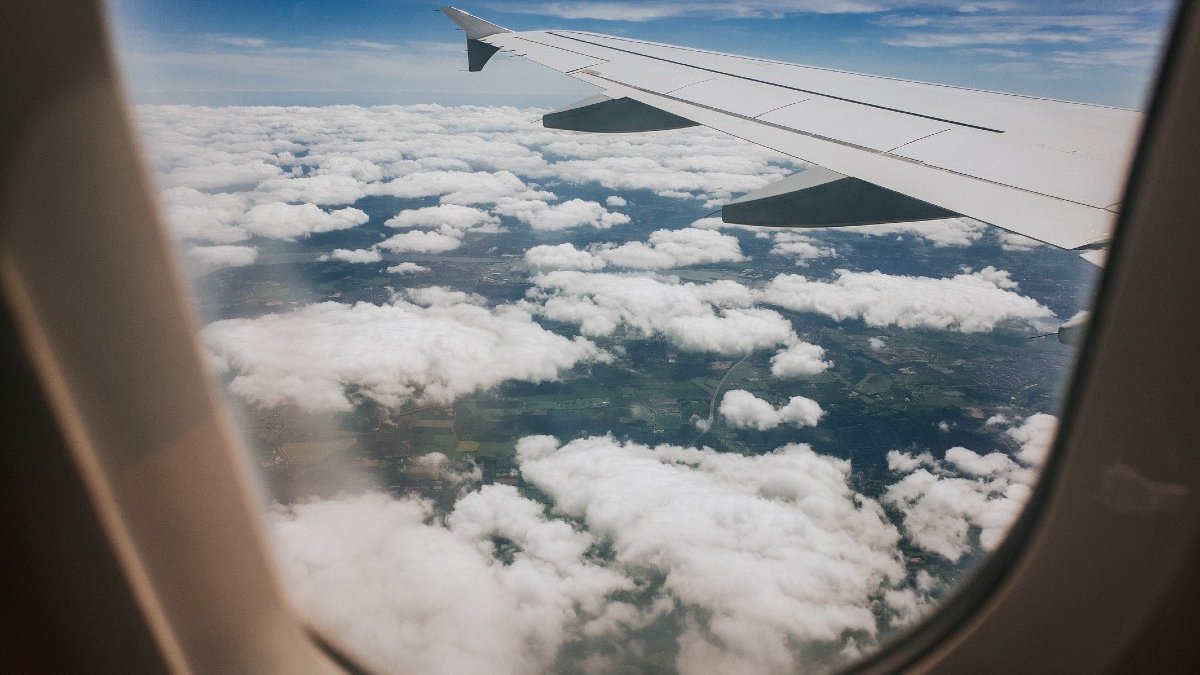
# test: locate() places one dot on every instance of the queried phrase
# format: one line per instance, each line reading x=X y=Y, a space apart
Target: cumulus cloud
x=562 y=257
x=1010 y=241
x=416 y=593
x=449 y=219
x=212 y=258
x=801 y=358
x=800 y=248
x=946 y=504
x=941 y=233
x=220 y=174
x=323 y=189
x=218 y=163
x=1035 y=435
x=743 y=410
x=569 y=214
x=766 y=553
x=407 y=268
x=420 y=242
x=717 y=317
x=321 y=356
x=762 y=559
x=196 y=215
x=460 y=187
x=876 y=343
x=968 y=302
x=360 y=255
x=673 y=248
x=290 y=221
x=665 y=249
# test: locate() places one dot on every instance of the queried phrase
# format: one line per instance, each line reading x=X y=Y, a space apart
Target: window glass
x=523 y=403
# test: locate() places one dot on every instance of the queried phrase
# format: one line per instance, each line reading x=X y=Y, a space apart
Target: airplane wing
x=880 y=149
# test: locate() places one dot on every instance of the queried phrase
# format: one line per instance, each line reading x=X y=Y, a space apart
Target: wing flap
x=819 y=197
x=604 y=114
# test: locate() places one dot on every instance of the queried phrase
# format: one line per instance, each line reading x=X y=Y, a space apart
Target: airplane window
x=528 y=399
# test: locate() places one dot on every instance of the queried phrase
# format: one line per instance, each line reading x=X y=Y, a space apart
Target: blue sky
x=320 y=52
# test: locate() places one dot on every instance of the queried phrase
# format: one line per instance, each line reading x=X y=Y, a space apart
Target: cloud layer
x=233 y=175
x=754 y=560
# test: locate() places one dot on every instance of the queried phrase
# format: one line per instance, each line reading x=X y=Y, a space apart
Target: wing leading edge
x=1049 y=170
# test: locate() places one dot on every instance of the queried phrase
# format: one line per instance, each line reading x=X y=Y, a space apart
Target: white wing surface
x=1050 y=170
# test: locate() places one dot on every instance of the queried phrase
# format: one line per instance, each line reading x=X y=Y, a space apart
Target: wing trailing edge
x=818 y=197
x=604 y=114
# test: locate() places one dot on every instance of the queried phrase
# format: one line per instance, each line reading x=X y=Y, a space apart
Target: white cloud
x=615 y=201
x=467 y=156
x=320 y=356
x=197 y=215
x=942 y=233
x=460 y=187
x=673 y=248
x=744 y=410
x=220 y=174
x=665 y=249
x=440 y=296
x=762 y=558
x=413 y=593
x=765 y=553
x=211 y=258
x=1010 y=241
x=801 y=358
x=562 y=257
x=324 y=189
x=407 y=268
x=361 y=255
x=569 y=214
x=876 y=344
x=289 y=221
x=716 y=317
x=968 y=302
x=449 y=219
x=1035 y=435
x=945 y=503
x=420 y=242
x=800 y=248
x=715 y=223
